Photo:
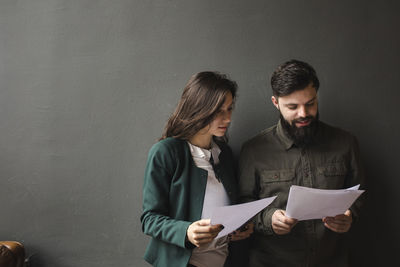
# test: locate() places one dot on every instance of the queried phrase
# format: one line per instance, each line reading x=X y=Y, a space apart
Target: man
x=299 y=150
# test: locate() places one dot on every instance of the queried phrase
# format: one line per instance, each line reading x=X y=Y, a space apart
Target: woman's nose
x=227 y=116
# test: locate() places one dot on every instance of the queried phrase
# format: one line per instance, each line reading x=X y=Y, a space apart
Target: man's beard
x=301 y=136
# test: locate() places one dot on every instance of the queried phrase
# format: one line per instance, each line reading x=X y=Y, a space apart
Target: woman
x=189 y=172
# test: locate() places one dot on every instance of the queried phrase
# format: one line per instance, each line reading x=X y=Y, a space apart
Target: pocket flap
x=272 y=176
x=333 y=169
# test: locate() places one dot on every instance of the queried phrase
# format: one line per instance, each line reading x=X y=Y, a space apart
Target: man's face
x=299 y=108
x=299 y=114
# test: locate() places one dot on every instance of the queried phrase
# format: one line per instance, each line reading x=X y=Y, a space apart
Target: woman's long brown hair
x=201 y=100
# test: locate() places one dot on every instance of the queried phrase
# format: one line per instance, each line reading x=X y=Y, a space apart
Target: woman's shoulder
x=168 y=152
x=168 y=145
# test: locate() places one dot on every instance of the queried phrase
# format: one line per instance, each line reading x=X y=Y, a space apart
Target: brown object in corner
x=12 y=254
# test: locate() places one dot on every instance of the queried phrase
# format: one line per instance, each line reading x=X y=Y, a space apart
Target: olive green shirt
x=269 y=164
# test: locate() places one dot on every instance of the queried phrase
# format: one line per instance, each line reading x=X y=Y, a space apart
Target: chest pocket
x=273 y=182
x=331 y=175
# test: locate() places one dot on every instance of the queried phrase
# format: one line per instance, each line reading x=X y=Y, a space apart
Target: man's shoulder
x=261 y=138
x=334 y=131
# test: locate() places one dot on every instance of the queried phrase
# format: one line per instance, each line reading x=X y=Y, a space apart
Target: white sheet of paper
x=306 y=203
x=234 y=216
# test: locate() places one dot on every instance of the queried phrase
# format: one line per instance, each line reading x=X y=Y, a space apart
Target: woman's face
x=219 y=125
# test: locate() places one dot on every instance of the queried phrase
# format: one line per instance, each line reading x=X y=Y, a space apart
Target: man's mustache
x=302 y=119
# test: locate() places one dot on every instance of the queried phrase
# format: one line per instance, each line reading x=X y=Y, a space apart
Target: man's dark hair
x=292 y=76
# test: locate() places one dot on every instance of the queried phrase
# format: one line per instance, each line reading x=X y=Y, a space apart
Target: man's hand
x=201 y=232
x=281 y=224
x=340 y=223
x=242 y=233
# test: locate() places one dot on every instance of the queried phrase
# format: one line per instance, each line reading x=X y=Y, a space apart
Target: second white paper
x=310 y=203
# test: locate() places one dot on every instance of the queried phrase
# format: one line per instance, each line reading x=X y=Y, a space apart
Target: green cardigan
x=173 y=194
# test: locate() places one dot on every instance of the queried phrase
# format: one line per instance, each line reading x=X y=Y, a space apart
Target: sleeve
x=249 y=190
x=155 y=218
x=356 y=175
x=247 y=177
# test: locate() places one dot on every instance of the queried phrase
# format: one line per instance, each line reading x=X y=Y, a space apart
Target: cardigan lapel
x=226 y=175
x=197 y=187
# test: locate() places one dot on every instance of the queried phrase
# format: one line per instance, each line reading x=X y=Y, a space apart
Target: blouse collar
x=206 y=153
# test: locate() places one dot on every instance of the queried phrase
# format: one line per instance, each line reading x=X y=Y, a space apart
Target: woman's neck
x=201 y=140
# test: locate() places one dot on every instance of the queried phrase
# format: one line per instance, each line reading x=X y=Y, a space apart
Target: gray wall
x=86 y=87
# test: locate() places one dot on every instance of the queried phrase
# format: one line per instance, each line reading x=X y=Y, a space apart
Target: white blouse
x=214 y=253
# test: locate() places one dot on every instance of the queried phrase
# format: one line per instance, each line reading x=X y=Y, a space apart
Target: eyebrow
x=309 y=101
x=230 y=106
x=312 y=99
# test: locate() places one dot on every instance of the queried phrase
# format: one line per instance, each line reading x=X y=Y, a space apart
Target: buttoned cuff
x=264 y=221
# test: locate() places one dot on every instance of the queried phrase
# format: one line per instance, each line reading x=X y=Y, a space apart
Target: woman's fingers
x=201 y=232
x=246 y=231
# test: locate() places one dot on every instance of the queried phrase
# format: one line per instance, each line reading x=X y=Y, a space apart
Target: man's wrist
x=266 y=223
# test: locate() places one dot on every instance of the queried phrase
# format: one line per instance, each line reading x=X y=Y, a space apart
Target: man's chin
x=301 y=132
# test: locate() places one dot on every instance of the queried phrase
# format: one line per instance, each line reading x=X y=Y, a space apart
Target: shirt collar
x=206 y=153
x=286 y=141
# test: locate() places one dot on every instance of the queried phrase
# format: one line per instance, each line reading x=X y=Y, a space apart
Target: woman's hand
x=201 y=232
x=242 y=233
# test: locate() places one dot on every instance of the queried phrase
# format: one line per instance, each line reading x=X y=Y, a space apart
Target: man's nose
x=302 y=112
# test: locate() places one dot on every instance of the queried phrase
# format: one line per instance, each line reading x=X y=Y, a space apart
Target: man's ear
x=275 y=101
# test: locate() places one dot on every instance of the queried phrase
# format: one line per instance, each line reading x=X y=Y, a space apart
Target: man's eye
x=310 y=104
x=292 y=107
